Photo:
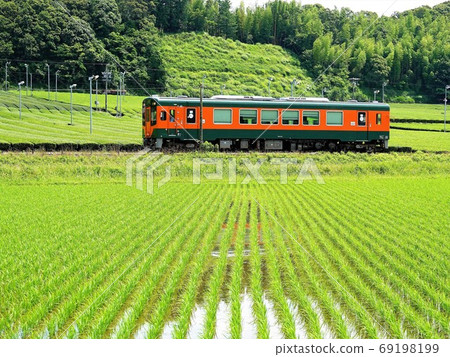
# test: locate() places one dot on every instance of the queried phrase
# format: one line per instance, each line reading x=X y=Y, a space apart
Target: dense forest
x=410 y=50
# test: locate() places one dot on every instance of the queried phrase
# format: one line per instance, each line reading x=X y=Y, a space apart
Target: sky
x=386 y=7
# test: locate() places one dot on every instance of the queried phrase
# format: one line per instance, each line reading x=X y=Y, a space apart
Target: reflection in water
x=223 y=320
x=248 y=324
x=196 y=327
x=168 y=329
x=274 y=326
x=299 y=324
x=142 y=331
x=324 y=328
x=125 y=316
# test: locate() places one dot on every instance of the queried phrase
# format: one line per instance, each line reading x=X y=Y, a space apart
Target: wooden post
x=201 y=114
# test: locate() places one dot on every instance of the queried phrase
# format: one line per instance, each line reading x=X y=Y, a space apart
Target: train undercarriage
x=267 y=145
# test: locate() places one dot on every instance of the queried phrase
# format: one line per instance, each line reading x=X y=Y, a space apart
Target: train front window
x=269 y=117
x=153 y=114
x=248 y=116
x=361 y=119
x=310 y=118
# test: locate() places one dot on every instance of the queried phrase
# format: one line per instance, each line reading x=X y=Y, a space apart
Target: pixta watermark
x=141 y=169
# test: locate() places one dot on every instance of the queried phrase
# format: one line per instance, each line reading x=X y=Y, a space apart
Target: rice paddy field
x=83 y=255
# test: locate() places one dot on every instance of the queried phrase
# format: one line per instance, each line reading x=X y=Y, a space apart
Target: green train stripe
x=209 y=103
x=215 y=134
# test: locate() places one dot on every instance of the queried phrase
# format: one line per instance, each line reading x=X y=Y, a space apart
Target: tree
x=226 y=25
x=377 y=73
x=105 y=17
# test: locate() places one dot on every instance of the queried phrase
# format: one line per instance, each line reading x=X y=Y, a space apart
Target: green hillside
x=46 y=121
x=244 y=69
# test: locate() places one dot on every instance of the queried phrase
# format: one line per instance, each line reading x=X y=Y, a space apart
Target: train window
x=310 y=117
x=361 y=118
x=163 y=115
x=378 y=118
x=269 y=116
x=290 y=117
x=172 y=115
x=248 y=116
x=222 y=116
x=335 y=118
x=190 y=116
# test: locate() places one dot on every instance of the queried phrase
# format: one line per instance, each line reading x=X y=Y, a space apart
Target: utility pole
x=293 y=83
x=270 y=80
x=56 y=84
x=122 y=85
x=71 y=103
x=26 y=77
x=20 y=99
x=90 y=101
x=445 y=107
x=385 y=83
x=96 y=95
x=106 y=78
x=6 y=75
x=31 y=83
x=354 y=83
x=375 y=92
x=324 y=90
x=48 y=80
x=202 y=86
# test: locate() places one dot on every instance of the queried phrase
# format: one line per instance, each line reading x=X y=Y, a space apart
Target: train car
x=243 y=123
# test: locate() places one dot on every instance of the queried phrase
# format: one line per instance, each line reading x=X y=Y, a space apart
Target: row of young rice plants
x=259 y=309
x=64 y=225
x=159 y=220
x=201 y=242
x=103 y=307
x=354 y=275
x=140 y=300
x=275 y=291
x=407 y=284
x=217 y=278
x=424 y=218
x=358 y=264
x=65 y=289
x=115 y=302
x=186 y=302
x=375 y=303
x=237 y=271
x=69 y=304
x=301 y=237
x=398 y=262
x=330 y=311
x=296 y=286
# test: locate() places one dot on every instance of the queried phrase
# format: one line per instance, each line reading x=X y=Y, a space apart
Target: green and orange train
x=242 y=123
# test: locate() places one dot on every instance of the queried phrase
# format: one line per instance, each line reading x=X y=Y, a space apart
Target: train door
x=192 y=121
x=172 y=123
x=363 y=123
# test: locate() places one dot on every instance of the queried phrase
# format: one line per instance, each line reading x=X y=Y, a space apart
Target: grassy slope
x=47 y=121
x=420 y=140
x=417 y=111
x=243 y=68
